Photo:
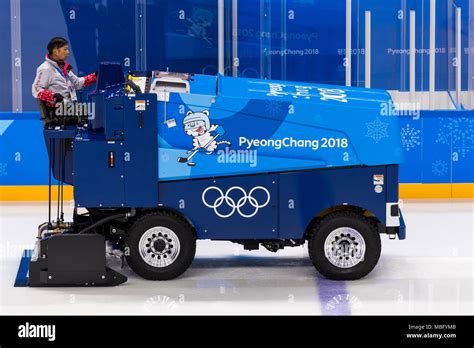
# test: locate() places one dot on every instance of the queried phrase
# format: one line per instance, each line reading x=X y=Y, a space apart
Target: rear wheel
x=160 y=246
x=344 y=246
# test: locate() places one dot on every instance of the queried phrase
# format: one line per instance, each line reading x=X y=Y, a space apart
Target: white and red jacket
x=51 y=79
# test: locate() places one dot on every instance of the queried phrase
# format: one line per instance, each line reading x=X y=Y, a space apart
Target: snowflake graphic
x=377 y=130
x=3 y=169
x=458 y=132
x=439 y=168
x=273 y=108
x=410 y=137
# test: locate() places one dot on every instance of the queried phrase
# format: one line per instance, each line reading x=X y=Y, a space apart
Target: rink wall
x=279 y=39
x=295 y=40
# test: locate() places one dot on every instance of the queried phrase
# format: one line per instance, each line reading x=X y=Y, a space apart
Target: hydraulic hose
x=107 y=219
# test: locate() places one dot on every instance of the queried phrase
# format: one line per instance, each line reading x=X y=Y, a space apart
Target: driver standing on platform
x=55 y=82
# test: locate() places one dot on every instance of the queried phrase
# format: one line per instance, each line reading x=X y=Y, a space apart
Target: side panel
x=303 y=195
x=141 y=152
x=96 y=184
x=241 y=207
x=132 y=180
x=114 y=118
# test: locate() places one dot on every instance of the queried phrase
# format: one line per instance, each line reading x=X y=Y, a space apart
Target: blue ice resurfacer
x=164 y=159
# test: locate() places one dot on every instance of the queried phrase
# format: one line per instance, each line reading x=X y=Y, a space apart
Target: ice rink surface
x=432 y=272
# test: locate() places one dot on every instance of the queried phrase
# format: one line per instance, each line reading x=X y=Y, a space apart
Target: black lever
x=134 y=86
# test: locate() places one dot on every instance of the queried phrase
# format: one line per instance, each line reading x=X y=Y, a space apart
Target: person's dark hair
x=56 y=42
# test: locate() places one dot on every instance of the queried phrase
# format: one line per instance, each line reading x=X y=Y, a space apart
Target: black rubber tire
x=324 y=227
x=179 y=226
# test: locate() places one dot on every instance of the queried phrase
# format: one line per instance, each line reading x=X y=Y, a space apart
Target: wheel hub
x=159 y=246
x=345 y=247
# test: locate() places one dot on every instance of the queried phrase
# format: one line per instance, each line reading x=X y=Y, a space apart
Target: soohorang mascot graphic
x=198 y=126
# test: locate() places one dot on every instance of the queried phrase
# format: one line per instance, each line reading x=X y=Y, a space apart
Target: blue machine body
x=291 y=126
x=239 y=158
x=294 y=200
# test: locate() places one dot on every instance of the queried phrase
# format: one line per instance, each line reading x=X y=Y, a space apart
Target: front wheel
x=344 y=246
x=160 y=246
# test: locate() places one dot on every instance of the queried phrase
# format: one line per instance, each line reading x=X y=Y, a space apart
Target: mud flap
x=402 y=230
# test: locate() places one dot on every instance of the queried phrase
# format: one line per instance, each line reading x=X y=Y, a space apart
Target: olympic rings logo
x=235 y=206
